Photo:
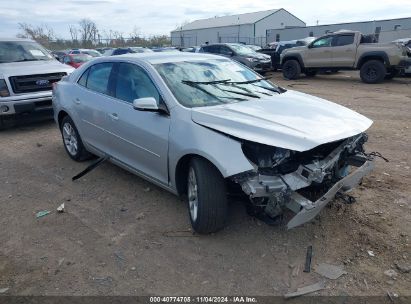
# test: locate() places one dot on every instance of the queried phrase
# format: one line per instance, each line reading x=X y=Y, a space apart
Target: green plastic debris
x=42 y=213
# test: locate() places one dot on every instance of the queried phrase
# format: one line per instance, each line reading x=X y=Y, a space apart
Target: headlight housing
x=4 y=90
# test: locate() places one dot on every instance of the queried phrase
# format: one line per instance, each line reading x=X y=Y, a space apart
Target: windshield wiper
x=249 y=81
x=205 y=82
x=279 y=90
x=197 y=86
x=240 y=93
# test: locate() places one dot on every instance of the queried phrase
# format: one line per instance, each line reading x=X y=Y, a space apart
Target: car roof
x=81 y=54
x=224 y=43
x=5 y=39
x=160 y=57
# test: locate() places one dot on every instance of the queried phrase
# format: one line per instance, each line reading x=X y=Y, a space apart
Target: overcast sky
x=162 y=16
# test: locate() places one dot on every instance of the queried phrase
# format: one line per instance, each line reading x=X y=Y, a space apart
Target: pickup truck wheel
x=207 y=197
x=373 y=71
x=72 y=140
x=291 y=69
x=310 y=73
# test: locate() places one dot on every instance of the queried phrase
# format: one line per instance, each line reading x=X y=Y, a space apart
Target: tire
x=373 y=71
x=207 y=197
x=391 y=74
x=310 y=73
x=291 y=69
x=72 y=141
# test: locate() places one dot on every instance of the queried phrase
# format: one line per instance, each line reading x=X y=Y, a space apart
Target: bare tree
x=42 y=34
x=73 y=32
x=88 y=31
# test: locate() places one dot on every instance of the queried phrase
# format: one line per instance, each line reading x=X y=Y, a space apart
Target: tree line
x=86 y=34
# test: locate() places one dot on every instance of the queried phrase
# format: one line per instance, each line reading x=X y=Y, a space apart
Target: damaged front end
x=303 y=182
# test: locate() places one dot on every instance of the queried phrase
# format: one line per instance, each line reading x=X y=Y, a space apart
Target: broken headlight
x=264 y=156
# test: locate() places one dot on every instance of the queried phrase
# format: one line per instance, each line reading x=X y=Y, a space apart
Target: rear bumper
x=263 y=66
x=309 y=210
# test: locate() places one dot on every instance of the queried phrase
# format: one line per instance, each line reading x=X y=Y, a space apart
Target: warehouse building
x=250 y=28
x=384 y=30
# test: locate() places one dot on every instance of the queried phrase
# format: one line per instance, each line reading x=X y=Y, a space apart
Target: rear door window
x=83 y=79
x=98 y=78
x=342 y=40
x=214 y=49
x=224 y=50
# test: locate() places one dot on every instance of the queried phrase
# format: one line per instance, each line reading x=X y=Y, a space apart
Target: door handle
x=77 y=101
x=113 y=116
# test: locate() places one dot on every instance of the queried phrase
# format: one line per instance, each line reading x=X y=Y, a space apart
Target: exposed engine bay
x=303 y=182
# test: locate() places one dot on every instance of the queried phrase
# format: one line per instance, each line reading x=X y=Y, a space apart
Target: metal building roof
x=248 y=18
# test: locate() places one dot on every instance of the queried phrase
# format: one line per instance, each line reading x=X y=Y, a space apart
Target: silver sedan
x=199 y=125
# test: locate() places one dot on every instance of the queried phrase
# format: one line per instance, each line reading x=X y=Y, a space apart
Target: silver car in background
x=199 y=125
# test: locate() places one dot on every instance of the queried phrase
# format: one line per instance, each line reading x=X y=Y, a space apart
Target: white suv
x=27 y=73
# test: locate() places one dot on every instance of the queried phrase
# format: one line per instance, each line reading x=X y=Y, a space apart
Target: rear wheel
x=373 y=71
x=207 y=197
x=72 y=140
x=291 y=69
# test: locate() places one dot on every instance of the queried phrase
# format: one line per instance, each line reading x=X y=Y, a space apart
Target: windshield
x=190 y=82
x=16 y=51
x=243 y=50
x=81 y=58
x=92 y=53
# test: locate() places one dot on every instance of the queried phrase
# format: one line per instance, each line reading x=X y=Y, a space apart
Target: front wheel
x=373 y=71
x=207 y=197
x=72 y=141
x=291 y=69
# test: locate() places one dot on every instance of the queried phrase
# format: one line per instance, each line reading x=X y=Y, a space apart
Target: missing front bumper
x=308 y=210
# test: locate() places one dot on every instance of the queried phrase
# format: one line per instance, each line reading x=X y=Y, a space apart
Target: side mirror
x=146 y=104
x=232 y=54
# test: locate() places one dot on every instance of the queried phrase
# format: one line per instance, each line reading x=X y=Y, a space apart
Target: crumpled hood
x=291 y=120
x=32 y=68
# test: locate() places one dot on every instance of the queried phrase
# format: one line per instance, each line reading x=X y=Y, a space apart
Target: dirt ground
x=121 y=235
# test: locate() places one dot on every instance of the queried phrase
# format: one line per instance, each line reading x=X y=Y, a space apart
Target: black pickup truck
x=281 y=46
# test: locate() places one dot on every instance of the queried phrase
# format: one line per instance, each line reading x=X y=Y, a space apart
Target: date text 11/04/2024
x=203 y=299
